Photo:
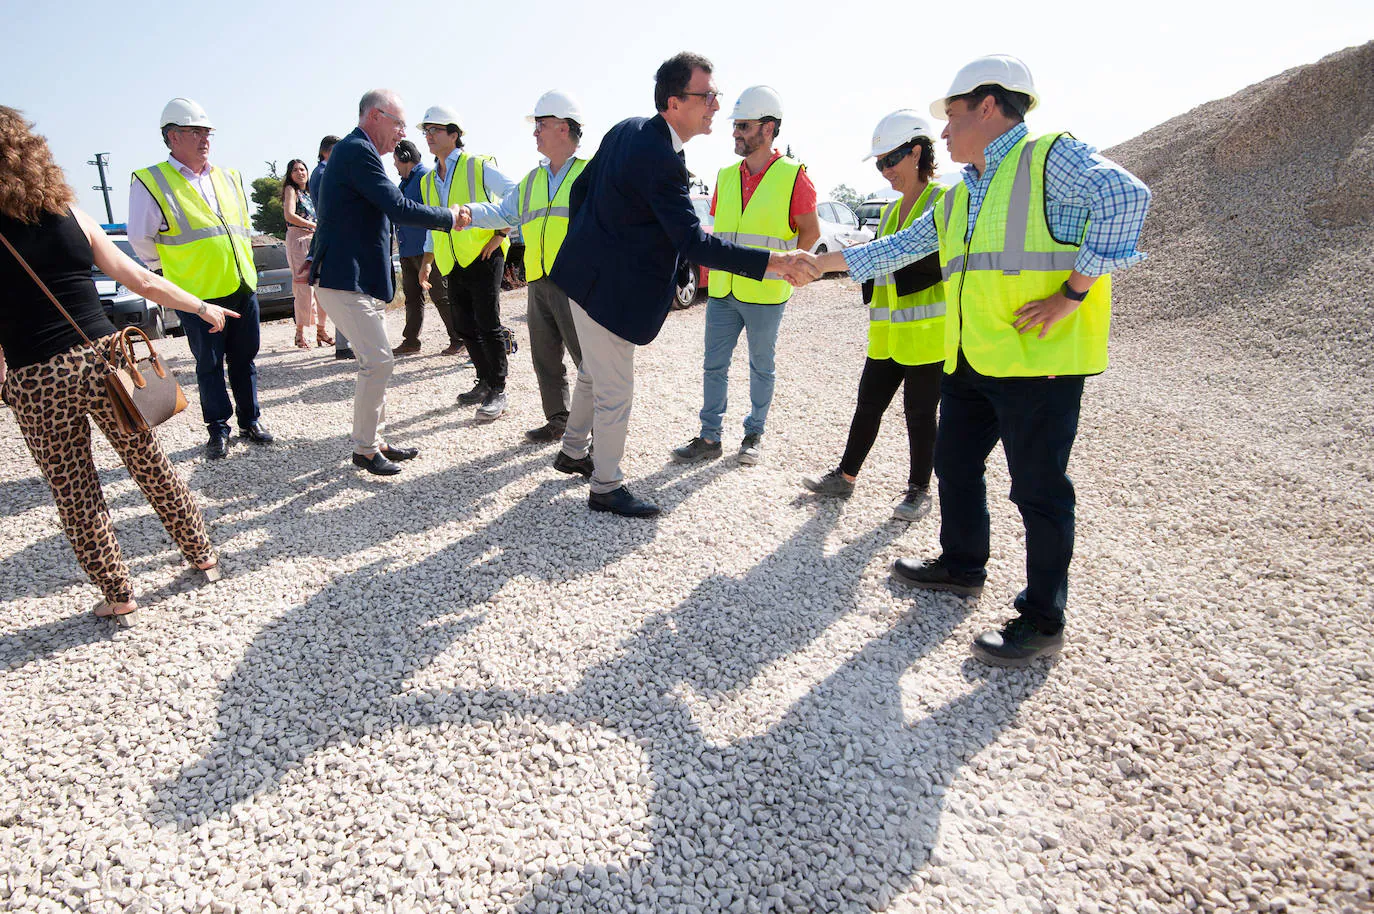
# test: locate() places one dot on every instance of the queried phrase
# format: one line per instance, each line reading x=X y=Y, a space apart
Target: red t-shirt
x=803 y=192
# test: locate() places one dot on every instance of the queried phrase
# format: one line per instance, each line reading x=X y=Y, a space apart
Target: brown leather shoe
x=453 y=349
x=406 y=349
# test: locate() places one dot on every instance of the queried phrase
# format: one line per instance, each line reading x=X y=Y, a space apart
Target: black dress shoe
x=623 y=503
x=377 y=465
x=479 y=392
x=934 y=574
x=549 y=431
x=1017 y=644
x=573 y=466
x=218 y=445
x=257 y=433
x=341 y=354
x=399 y=453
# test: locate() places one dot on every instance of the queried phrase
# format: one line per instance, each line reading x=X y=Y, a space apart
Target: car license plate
x=273 y=287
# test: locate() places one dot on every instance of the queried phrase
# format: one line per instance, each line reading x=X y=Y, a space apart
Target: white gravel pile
x=459 y=690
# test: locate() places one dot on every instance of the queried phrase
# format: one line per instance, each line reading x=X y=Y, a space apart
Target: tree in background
x=843 y=193
x=269 y=218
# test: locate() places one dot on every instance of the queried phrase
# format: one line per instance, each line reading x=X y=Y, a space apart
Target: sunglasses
x=893 y=157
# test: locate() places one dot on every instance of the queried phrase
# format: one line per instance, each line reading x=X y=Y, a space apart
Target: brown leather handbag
x=143 y=392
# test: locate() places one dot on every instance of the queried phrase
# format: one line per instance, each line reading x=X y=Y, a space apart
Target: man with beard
x=764 y=201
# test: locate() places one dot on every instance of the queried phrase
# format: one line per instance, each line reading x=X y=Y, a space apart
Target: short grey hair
x=376 y=98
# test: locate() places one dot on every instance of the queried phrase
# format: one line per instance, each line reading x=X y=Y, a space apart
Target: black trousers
x=474 y=294
x=415 y=300
x=877 y=386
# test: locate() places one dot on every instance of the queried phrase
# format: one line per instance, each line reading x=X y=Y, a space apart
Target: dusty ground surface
x=460 y=689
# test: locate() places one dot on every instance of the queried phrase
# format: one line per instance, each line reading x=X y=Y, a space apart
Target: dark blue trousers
x=1036 y=420
x=234 y=347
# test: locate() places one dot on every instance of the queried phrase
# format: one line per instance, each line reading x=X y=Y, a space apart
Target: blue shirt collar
x=995 y=152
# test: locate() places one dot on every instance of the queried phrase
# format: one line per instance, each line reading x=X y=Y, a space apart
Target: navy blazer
x=356 y=206
x=632 y=223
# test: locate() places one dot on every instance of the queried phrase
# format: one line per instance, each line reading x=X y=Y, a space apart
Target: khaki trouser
x=601 y=400
x=363 y=319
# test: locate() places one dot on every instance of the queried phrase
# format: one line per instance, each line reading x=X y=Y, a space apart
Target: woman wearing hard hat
x=906 y=324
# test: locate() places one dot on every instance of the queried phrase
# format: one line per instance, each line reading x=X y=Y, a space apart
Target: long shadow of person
x=334 y=669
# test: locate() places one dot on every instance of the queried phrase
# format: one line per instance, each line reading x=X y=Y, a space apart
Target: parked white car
x=126 y=308
x=840 y=228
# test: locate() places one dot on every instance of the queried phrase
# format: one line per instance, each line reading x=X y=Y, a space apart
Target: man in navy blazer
x=352 y=262
x=631 y=225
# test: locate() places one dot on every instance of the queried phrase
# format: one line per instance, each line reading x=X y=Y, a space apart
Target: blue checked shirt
x=1078 y=183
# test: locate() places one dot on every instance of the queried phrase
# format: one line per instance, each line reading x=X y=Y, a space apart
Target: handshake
x=797 y=267
x=462 y=217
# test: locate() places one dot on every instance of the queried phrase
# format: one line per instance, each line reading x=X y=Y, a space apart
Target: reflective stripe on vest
x=459 y=248
x=765 y=224
x=208 y=254
x=1009 y=258
x=544 y=222
x=909 y=329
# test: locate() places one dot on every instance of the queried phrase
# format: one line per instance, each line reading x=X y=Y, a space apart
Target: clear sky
x=276 y=77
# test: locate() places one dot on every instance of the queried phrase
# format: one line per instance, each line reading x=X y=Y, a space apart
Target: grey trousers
x=363 y=318
x=551 y=331
x=601 y=401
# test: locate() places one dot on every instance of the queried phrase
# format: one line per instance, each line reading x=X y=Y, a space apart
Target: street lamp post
x=100 y=161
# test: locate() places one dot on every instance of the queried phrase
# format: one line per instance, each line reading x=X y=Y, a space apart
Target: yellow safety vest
x=544 y=222
x=466 y=185
x=208 y=254
x=765 y=224
x=909 y=329
x=1011 y=259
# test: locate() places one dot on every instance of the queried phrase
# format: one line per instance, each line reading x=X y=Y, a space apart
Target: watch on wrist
x=1071 y=295
x=202 y=309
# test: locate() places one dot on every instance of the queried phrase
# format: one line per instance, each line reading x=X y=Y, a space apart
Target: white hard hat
x=901 y=126
x=555 y=103
x=440 y=114
x=183 y=112
x=996 y=69
x=757 y=102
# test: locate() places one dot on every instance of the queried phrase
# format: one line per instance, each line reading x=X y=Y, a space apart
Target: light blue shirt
x=1081 y=187
x=507 y=214
x=497 y=185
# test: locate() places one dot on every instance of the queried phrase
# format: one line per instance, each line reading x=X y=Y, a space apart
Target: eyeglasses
x=893 y=157
x=387 y=114
x=194 y=131
x=433 y=129
x=709 y=96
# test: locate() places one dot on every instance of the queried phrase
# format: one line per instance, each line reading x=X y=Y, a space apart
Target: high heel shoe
x=211 y=571
x=323 y=339
x=300 y=339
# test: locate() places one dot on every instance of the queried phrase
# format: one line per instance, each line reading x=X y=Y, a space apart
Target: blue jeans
x=1037 y=421
x=236 y=346
x=725 y=318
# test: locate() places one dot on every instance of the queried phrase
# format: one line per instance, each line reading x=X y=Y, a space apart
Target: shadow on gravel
x=41 y=641
x=333 y=670
x=831 y=804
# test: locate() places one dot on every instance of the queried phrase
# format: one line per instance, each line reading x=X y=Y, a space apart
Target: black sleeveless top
x=31 y=329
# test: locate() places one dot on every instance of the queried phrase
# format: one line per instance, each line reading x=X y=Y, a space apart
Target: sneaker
x=832 y=483
x=1017 y=644
x=749 y=450
x=476 y=395
x=914 y=505
x=933 y=574
x=493 y=405
x=697 y=449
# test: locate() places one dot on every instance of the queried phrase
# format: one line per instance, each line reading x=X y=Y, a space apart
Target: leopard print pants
x=51 y=401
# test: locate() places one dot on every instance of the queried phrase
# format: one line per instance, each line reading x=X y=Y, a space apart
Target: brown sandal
x=323 y=339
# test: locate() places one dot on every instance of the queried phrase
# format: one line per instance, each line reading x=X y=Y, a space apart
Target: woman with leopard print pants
x=55 y=382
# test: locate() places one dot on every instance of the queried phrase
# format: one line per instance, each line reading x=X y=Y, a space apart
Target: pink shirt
x=145 y=216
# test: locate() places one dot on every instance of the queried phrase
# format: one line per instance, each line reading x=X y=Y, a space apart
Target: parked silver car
x=275 y=298
x=126 y=308
x=840 y=228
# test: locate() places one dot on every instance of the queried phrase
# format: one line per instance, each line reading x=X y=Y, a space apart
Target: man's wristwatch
x=202 y=309
x=1071 y=295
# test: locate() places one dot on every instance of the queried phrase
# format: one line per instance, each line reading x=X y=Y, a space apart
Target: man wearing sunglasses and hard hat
x=767 y=201
x=1027 y=242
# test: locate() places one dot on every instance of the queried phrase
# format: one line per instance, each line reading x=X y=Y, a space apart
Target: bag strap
x=57 y=304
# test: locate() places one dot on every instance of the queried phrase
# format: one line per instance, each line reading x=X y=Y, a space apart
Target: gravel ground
x=458 y=689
